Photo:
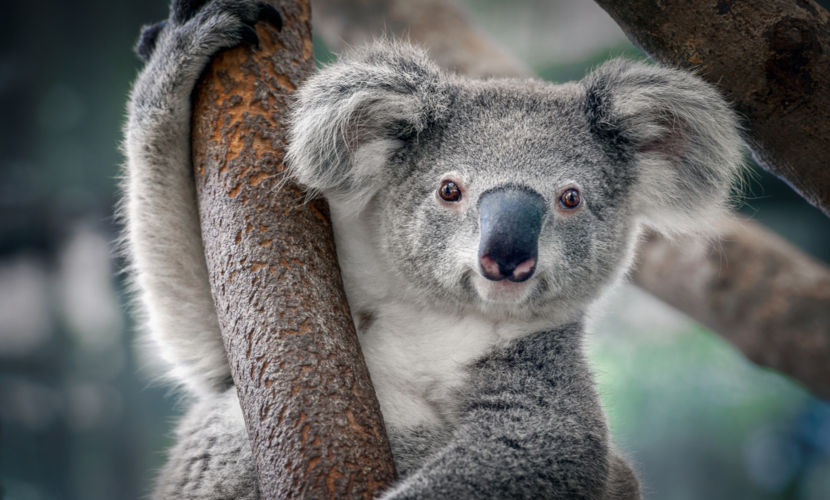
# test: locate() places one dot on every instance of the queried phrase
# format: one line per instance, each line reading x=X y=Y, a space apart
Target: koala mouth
x=503 y=291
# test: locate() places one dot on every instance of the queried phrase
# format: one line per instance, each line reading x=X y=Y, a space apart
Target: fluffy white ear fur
x=678 y=133
x=349 y=119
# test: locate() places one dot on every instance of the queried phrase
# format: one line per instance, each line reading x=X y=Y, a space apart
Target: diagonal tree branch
x=746 y=283
x=772 y=60
x=762 y=294
x=312 y=416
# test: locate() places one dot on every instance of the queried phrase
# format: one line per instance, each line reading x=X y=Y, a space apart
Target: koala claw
x=247 y=33
x=183 y=10
x=271 y=15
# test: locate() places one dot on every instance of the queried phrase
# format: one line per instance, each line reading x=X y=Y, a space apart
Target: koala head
x=511 y=197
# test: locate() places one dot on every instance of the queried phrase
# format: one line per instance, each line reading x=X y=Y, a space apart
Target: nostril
x=496 y=271
x=490 y=268
x=524 y=270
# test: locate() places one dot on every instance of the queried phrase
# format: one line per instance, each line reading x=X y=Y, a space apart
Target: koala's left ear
x=675 y=131
x=352 y=116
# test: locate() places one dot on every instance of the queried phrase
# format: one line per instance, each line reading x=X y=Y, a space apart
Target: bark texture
x=311 y=412
x=771 y=58
x=755 y=289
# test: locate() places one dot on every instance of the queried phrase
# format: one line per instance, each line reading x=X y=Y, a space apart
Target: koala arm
x=212 y=456
x=162 y=236
x=530 y=427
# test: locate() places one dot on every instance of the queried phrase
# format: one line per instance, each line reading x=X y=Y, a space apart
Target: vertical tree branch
x=772 y=60
x=312 y=415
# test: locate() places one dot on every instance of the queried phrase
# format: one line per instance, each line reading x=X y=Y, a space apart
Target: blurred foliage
x=76 y=419
x=698 y=419
x=568 y=71
x=79 y=419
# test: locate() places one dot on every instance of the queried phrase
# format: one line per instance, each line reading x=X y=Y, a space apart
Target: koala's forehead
x=505 y=126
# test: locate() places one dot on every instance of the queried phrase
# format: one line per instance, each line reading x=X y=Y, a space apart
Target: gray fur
x=530 y=426
x=484 y=388
x=162 y=237
x=212 y=457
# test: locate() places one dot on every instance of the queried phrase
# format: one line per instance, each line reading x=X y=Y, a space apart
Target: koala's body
x=476 y=221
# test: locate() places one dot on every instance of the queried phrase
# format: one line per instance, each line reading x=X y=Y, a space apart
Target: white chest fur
x=418 y=358
x=416 y=355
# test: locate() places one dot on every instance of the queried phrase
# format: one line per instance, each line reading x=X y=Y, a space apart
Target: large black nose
x=511 y=218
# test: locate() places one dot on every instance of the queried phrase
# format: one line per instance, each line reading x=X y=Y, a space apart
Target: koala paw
x=206 y=27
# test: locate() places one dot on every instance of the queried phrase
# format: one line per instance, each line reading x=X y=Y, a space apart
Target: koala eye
x=449 y=191
x=570 y=198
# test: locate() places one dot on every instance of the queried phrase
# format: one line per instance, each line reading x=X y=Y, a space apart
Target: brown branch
x=772 y=60
x=311 y=412
x=759 y=292
x=755 y=289
x=436 y=24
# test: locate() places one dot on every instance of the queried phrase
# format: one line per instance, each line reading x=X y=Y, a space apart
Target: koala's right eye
x=449 y=191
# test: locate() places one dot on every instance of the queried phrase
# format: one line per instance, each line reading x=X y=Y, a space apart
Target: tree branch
x=771 y=58
x=759 y=292
x=436 y=24
x=755 y=289
x=312 y=415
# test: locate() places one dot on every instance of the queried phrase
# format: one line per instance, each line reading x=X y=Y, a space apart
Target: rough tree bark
x=311 y=412
x=772 y=60
x=776 y=298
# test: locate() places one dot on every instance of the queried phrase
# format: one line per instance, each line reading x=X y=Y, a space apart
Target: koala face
x=506 y=203
x=516 y=198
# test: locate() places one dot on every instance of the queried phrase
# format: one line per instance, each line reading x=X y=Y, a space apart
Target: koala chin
x=476 y=221
x=502 y=292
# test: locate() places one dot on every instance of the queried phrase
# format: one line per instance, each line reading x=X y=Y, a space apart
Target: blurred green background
x=81 y=419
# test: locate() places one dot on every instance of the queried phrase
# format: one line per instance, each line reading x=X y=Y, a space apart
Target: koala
x=476 y=221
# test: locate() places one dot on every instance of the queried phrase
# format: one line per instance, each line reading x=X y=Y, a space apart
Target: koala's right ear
x=353 y=115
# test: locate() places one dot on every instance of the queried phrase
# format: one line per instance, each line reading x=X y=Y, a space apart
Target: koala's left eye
x=570 y=198
x=449 y=191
